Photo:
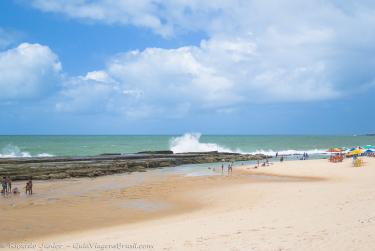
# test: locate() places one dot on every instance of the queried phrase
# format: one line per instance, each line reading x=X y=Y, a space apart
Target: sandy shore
x=295 y=205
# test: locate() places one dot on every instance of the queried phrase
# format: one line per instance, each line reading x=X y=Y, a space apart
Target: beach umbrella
x=370 y=151
x=356 y=151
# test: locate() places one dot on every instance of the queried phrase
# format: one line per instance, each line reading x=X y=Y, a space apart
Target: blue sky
x=170 y=67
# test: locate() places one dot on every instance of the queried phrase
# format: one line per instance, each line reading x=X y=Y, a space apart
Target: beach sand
x=294 y=205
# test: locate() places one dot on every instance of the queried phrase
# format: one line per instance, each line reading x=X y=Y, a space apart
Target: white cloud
x=141 y=13
x=100 y=76
x=219 y=74
x=27 y=71
x=176 y=75
x=83 y=95
x=256 y=51
x=213 y=17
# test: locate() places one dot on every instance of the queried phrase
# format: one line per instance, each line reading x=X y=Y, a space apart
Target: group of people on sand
x=230 y=168
x=265 y=163
x=281 y=156
x=6 y=184
x=336 y=158
x=305 y=156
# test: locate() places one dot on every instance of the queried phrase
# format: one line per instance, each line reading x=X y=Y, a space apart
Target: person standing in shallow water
x=31 y=186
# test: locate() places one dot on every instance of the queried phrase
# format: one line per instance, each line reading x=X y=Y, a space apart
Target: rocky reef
x=43 y=168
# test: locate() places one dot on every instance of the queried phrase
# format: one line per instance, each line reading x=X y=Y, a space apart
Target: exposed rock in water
x=156 y=152
x=42 y=168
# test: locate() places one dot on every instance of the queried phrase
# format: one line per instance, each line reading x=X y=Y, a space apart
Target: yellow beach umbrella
x=356 y=151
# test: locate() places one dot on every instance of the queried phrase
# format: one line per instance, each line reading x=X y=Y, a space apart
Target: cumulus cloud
x=28 y=71
x=154 y=81
x=223 y=16
x=217 y=75
x=140 y=13
x=100 y=92
x=91 y=93
x=256 y=51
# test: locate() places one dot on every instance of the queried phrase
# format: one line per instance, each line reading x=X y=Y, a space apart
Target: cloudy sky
x=175 y=66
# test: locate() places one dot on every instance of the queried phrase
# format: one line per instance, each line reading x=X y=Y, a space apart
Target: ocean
x=64 y=145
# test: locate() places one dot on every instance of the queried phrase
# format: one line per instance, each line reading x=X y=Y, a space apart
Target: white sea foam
x=189 y=142
x=290 y=152
x=44 y=155
x=12 y=151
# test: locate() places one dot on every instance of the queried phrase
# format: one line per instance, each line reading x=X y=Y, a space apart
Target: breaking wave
x=11 y=151
x=189 y=142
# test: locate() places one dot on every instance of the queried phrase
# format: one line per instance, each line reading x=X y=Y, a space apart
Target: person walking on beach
x=230 y=168
x=354 y=158
x=29 y=186
x=222 y=168
x=4 y=186
x=9 y=184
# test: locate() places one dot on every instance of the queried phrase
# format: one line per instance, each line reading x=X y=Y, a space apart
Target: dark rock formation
x=156 y=152
x=43 y=168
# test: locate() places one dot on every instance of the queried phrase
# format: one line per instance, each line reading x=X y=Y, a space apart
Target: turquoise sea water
x=25 y=146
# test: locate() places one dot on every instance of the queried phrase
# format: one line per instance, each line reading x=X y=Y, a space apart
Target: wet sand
x=62 y=206
x=309 y=205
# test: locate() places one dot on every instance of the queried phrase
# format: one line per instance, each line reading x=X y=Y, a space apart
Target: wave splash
x=189 y=142
x=11 y=151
